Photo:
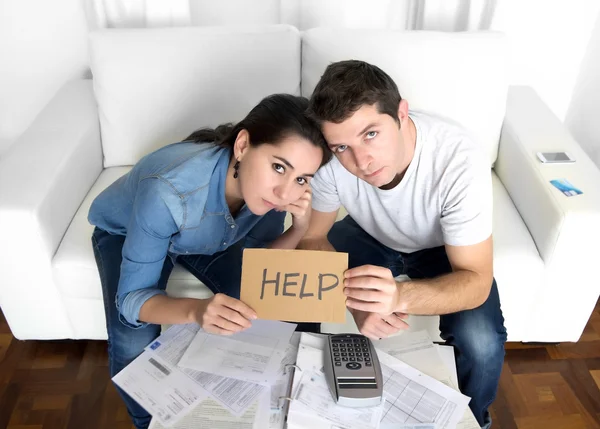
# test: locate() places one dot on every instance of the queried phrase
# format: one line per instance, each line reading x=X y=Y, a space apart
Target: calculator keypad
x=353 y=353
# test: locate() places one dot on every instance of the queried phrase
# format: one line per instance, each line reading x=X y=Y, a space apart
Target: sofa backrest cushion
x=156 y=86
x=462 y=76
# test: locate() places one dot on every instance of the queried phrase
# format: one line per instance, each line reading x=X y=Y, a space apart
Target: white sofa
x=152 y=87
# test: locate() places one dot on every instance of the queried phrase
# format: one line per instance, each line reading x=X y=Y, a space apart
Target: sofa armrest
x=565 y=229
x=44 y=177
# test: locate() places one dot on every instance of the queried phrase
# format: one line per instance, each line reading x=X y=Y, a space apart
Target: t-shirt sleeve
x=467 y=207
x=325 y=197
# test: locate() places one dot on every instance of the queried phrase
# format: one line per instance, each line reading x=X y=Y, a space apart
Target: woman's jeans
x=220 y=272
x=477 y=335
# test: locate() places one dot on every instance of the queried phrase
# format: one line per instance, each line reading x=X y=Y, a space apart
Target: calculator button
x=345 y=359
x=367 y=359
x=358 y=354
x=344 y=354
x=353 y=365
x=365 y=350
x=337 y=359
x=336 y=354
x=351 y=354
x=359 y=359
x=368 y=363
x=338 y=364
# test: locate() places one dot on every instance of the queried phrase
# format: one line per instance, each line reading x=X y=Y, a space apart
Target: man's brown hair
x=346 y=86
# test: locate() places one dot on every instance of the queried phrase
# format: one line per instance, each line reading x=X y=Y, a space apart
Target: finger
x=213 y=329
x=395 y=322
x=400 y=315
x=239 y=306
x=366 y=282
x=373 y=307
x=301 y=204
x=367 y=295
x=296 y=211
x=233 y=316
x=384 y=330
x=227 y=325
x=368 y=270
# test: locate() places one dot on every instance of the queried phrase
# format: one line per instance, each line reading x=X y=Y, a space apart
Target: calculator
x=353 y=371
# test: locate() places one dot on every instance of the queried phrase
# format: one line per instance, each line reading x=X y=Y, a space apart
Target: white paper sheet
x=233 y=394
x=211 y=415
x=413 y=397
x=314 y=397
x=253 y=355
x=161 y=388
x=417 y=350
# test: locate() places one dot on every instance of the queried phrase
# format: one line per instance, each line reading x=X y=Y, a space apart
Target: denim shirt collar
x=216 y=202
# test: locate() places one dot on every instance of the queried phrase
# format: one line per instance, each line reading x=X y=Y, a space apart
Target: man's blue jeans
x=220 y=272
x=477 y=335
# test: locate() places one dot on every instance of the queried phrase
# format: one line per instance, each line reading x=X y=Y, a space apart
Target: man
x=418 y=194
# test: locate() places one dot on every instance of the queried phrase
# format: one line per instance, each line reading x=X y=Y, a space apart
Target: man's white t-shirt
x=445 y=196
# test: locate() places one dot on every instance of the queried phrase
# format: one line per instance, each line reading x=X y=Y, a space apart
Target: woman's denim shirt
x=173 y=202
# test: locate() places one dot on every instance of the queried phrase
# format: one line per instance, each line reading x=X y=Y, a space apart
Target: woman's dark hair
x=276 y=117
x=346 y=86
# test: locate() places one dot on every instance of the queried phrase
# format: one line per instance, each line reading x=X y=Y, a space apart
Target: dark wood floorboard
x=65 y=385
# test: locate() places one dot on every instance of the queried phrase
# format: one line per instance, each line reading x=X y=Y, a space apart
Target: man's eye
x=341 y=148
x=371 y=134
x=301 y=180
x=279 y=168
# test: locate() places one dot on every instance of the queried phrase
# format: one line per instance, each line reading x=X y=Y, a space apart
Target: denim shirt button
x=232 y=226
x=224 y=243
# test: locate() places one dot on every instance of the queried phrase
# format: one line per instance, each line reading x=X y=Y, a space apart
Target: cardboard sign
x=295 y=285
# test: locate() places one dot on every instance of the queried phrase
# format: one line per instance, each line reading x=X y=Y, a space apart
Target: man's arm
x=316 y=235
x=373 y=289
x=467 y=287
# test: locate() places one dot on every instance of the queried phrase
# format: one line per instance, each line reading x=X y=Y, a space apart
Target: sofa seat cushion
x=74 y=266
x=518 y=267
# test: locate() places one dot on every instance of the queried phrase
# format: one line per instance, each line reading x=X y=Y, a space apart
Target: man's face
x=369 y=144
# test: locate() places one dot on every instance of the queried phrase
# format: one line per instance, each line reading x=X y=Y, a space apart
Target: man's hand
x=376 y=326
x=371 y=288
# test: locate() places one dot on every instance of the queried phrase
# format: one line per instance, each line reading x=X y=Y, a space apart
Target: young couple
x=416 y=188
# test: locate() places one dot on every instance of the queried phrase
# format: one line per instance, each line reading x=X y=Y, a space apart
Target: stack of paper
x=188 y=378
x=412 y=399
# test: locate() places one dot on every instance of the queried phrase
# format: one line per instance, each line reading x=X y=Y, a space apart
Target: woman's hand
x=223 y=315
x=300 y=211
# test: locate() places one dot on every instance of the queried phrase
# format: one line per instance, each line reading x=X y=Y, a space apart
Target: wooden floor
x=65 y=384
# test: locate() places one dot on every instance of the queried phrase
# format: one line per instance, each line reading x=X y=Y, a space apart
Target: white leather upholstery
x=43 y=179
x=458 y=75
x=544 y=255
x=566 y=230
x=182 y=79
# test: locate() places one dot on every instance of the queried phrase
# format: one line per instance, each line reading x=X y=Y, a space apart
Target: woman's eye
x=301 y=180
x=371 y=134
x=341 y=148
x=279 y=168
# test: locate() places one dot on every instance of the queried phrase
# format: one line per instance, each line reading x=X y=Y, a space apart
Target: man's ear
x=403 y=112
x=241 y=144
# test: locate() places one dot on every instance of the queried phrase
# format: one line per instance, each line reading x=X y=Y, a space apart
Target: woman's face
x=273 y=175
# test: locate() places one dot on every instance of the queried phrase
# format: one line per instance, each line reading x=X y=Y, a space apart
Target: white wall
x=548 y=41
x=582 y=116
x=42 y=45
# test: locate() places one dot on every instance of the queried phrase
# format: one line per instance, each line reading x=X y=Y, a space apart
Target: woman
x=200 y=202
